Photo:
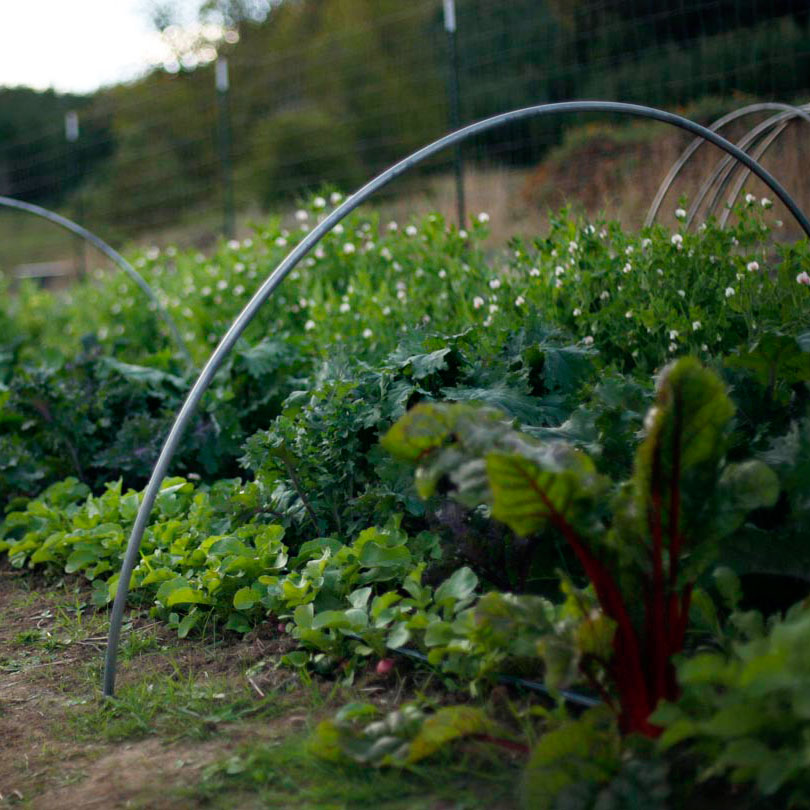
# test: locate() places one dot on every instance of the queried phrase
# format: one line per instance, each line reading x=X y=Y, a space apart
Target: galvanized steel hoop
x=112 y=254
x=310 y=240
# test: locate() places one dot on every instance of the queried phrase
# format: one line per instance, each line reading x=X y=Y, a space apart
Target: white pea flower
x=319 y=252
x=659 y=271
x=803 y=278
x=478 y=302
x=750 y=199
x=488 y=321
x=309 y=325
x=205 y=292
x=645 y=243
x=534 y=272
x=696 y=325
x=392 y=226
x=779 y=223
x=702 y=227
x=682 y=293
x=483 y=217
x=590 y=230
x=494 y=283
x=419 y=272
x=627 y=268
x=222 y=284
x=752 y=267
x=673 y=334
x=739 y=276
x=462 y=234
x=368 y=246
x=344 y=307
x=577 y=312
x=520 y=301
x=411 y=230
x=553 y=253
x=704 y=347
x=588 y=340
x=765 y=202
x=301 y=215
x=680 y=213
x=673 y=347
x=248 y=243
x=603 y=234
x=729 y=292
x=677 y=240
x=573 y=247
x=558 y=283
x=335 y=197
x=238 y=290
x=493 y=308
x=386 y=254
x=338 y=229
x=628 y=314
x=233 y=244
x=619 y=288
x=386 y=310
x=367 y=333
x=628 y=251
x=349 y=248
x=558 y=271
x=319 y=202
x=401 y=294
x=604 y=295
x=281 y=242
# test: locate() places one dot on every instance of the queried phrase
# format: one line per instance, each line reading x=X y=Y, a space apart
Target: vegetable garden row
x=581 y=463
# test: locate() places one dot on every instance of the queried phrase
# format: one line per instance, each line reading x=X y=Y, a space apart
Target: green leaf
x=447 y=724
x=459 y=586
x=533 y=486
x=244 y=599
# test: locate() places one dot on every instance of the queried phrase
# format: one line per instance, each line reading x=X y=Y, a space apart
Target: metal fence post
x=454 y=85
x=223 y=90
x=72 y=137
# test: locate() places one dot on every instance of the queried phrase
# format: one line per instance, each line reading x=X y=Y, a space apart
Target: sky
x=76 y=45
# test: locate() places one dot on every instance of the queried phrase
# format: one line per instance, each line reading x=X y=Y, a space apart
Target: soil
x=42 y=762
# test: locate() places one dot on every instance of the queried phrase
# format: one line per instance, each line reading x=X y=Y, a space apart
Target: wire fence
x=330 y=92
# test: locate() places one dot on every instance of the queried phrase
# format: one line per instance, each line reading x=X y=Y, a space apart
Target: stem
x=299 y=489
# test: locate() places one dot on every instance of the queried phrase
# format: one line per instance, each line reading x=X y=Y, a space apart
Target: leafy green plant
x=641 y=548
x=745 y=710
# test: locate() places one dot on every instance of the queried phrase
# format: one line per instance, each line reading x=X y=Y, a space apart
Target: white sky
x=75 y=45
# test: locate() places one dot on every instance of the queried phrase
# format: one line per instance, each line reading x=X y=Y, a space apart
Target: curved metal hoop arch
x=111 y=253
x=309 y=241
x=722 y=172
x=687 y=153
x=764 y=145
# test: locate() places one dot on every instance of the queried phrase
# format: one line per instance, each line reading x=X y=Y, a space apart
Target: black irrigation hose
x=507 y=680
x=112 y=254
x=270 y=284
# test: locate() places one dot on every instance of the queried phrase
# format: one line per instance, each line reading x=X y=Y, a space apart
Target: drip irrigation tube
x=569 y=695
x=270 y=284
x=110 y=253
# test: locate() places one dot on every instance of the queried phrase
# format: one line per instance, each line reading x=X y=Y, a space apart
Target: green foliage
x=746 y=712
x=404 y=736
x=668 y=519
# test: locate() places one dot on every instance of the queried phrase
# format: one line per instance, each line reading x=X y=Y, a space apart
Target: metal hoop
x=309 y=241
x=110 y=253
x=765 y=144
x=687 y=153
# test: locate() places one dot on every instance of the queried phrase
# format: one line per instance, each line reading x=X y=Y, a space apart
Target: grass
x=284 y=773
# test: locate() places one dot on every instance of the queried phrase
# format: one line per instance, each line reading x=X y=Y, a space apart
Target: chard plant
x=641 y=543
